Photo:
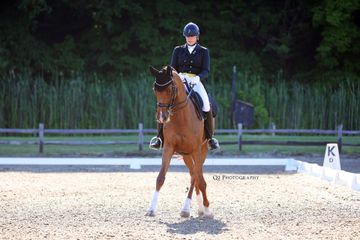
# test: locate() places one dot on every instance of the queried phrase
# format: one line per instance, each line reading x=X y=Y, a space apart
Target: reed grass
x=314 y=106
x=90 y=102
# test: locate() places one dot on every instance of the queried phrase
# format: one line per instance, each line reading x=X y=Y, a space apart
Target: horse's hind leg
x=202 y=183
x=190 y=164
x=199 y=200
x=205 y=202
x=166 y=158
x=185 y=211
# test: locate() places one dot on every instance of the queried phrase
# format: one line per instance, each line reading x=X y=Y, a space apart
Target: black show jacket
x=198 y=62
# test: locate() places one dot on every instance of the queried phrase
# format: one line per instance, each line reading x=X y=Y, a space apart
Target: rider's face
x=191 y=40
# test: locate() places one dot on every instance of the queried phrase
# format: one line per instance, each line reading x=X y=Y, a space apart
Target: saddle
x=198 y=102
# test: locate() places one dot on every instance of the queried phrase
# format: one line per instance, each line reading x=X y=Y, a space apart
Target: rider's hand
x=194 y=80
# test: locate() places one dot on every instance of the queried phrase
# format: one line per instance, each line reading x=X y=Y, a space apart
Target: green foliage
x=4 y=62
x=338 y=48
x=33 y=8
x=125 y=37
x=84 y=55
x=65 y=57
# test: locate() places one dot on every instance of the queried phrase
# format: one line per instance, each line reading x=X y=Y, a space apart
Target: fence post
x=41 y=137
x=233 y=95
x=240 y=132
x=272 y=127
x=340 y=128
x=141 y=136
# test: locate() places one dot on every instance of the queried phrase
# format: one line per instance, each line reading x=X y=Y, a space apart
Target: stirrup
x=155 y=143
x=214 y=144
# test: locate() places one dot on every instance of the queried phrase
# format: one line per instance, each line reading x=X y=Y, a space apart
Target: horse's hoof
x=150 y=213
x=208 y=213
x=185 y=214
x=200 y=213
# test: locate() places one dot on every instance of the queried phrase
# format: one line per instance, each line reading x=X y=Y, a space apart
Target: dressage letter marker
x=332 y=157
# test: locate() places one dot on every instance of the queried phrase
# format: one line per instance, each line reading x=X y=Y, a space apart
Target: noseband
x=171 y=107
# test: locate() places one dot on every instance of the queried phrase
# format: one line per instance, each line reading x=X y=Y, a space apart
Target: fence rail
x=141 y=131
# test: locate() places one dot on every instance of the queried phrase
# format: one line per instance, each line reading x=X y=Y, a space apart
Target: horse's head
x=165 y=89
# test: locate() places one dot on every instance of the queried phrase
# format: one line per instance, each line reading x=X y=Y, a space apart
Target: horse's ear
x=169 y=70
x=154 y=71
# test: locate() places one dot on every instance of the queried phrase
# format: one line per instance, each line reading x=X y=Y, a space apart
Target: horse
x=183 y=134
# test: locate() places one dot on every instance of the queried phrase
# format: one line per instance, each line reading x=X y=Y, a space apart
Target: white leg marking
x=152 y=208
x=200 y=204
x=208 y=213
x=187 y=204
x=185 y=211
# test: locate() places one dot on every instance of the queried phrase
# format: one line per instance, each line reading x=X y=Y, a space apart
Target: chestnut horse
x=183 y=134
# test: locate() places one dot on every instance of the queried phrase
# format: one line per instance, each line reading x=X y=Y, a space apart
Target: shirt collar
x=191 y=48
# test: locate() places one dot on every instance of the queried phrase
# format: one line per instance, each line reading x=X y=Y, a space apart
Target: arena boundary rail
x=141 y=131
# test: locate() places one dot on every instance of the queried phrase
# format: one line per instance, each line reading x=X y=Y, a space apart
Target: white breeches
x=199 y=88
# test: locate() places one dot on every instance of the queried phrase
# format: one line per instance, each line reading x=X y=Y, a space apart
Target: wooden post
x=240 y=132
x=233 y=95
x=273 y=127
x=141 y=136
x=41 y=137
x=340 y=128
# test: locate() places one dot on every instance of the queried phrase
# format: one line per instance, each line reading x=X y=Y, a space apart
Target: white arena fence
x=337 y=177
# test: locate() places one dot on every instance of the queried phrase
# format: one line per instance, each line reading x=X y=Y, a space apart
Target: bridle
x=172 y=107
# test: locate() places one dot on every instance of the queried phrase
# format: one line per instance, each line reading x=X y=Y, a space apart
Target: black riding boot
x=209 y=130
x=157 y=142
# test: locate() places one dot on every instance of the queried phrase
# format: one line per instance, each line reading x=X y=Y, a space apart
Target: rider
x=192 y=62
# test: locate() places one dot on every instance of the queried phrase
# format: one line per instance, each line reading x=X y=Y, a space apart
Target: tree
x=339 y=50
x=301 y=39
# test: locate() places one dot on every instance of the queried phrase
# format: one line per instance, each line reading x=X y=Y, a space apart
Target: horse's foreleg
x=166 y=157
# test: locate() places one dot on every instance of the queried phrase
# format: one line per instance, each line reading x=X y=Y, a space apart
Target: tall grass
x=314 y=106
x=91 y=102
x=77 y=103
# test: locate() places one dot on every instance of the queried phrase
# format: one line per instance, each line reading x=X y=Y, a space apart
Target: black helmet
x=191 y=29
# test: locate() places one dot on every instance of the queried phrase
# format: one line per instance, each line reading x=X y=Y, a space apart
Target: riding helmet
x=191 y=29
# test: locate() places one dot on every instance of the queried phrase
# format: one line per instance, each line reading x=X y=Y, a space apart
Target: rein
x=173 y=107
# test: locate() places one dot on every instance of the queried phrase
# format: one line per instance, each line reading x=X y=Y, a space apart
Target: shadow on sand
x=195 y=225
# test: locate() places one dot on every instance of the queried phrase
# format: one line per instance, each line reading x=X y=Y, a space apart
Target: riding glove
x=193 y=80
